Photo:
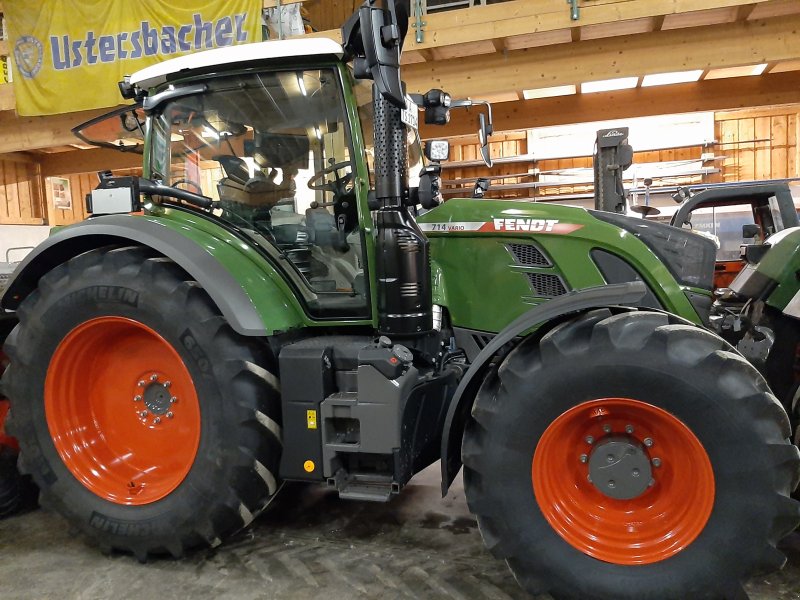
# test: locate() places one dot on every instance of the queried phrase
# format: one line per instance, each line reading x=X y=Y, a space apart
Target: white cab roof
x=157 y=74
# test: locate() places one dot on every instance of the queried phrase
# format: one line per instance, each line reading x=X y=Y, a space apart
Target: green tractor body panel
x=781 y=264
x=484 y=287
x=272 y=298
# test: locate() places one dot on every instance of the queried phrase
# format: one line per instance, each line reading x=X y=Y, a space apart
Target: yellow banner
x=70 y=54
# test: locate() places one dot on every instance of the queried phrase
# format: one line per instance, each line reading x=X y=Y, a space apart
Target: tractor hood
x=504 y=216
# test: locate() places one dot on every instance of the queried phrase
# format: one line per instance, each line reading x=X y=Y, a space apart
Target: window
x=274 y=149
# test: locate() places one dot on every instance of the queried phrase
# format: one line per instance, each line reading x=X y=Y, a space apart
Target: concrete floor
x=308 y=545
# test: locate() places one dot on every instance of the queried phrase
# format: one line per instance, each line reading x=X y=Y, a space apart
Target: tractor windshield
x=274 y=149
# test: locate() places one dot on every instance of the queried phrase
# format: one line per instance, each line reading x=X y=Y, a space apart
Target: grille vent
x=546 y=285
x=481 y=339
x=529 y=255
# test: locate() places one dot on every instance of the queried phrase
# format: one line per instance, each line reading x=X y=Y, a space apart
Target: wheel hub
x=157 y=398
x=619 y=467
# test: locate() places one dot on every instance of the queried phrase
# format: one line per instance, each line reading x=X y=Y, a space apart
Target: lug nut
x=629 y=429
x=143 y=413
x=607 y=428
x=648 y=442
x=141 y=383
x=157 y=420
x=656 y=462
x=652 y=483
x=153 y=377
x=170 y=415
x=584 y=458
x=167 y=384
x=173 y=400
x=589 y=440
x=137 y=398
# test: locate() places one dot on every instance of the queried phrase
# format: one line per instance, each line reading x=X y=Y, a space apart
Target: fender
x=461 y=404
x=223 y=288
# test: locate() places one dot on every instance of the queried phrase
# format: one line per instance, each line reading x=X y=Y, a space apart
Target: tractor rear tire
x=704 y=498
x=143 y=417
x=10 y=483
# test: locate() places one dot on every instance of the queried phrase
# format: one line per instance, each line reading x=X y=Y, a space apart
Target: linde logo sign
x=613 y=133
x=147 y=40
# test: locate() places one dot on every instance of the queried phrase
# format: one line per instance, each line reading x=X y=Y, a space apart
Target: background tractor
x=264 y=306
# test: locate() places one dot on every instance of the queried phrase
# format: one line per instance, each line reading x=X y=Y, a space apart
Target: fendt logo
x=534 y=225
x=546 y=225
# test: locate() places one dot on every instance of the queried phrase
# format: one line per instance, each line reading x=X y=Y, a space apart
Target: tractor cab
x=741 y=217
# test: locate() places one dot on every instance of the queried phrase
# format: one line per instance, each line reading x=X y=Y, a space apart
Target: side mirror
x=483 y=135
x=437 y=150
x=486 y=127
x=750 y=231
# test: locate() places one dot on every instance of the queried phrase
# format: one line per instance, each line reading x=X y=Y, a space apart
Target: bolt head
x=648 y=442
x=170 y=415
x=610 y=458
x=584 y=458
x=153 y=377
x=635 y=472
x=612 y=484
x=607 y=428
x=652 y=483
x=656 y=462
x=167 y=384
x=157 y=420
x=629 y=429
x=141 y=383
x=589 y=439
x=137 y=398
x=173 y=400
x=144 y=413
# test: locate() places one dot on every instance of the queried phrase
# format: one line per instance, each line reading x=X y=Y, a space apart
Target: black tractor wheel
x=630 y=456
x=10 y=483
x=143 y=417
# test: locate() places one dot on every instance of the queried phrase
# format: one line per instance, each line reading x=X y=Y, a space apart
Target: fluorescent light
x=549 y=92
x=209 y=133
x=301 y=84
x=671 y=78
x=609 y=85
x=746 y=71
x=318 y=133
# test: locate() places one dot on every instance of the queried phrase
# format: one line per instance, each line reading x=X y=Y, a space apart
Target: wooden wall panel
x=330 y=14
x=758 y=144
x=20 y=194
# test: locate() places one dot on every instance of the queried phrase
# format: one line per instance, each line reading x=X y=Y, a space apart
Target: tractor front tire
x=630 y=456
x=143 y=417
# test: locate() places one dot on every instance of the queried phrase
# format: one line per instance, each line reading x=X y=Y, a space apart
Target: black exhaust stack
x=373 y=39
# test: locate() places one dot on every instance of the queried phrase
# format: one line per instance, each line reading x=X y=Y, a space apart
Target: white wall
x=14 y=236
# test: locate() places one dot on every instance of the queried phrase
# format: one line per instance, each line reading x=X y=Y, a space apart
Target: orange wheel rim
x=667 y=511
x=122 y=410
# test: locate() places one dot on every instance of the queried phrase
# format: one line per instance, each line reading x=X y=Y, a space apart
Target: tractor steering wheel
x=338 y=185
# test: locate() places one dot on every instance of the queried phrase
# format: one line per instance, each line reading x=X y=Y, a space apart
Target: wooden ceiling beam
x=714 y=95
x=88 y=161
x=520 y=17
x=716 y=46
x=32 y=133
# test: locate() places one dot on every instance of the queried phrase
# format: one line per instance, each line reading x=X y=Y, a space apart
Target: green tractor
x=263 y=306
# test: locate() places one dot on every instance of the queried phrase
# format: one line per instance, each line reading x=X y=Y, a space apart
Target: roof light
x=549 y=92
x=609 y=85
x=746 y=71
x=672 y=78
